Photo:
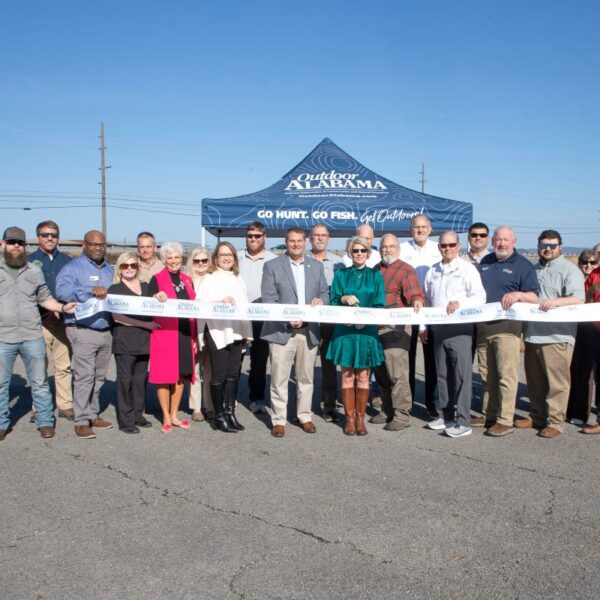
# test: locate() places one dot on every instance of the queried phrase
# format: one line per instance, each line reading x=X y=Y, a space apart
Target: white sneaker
x=457 y=431
x=437 y=424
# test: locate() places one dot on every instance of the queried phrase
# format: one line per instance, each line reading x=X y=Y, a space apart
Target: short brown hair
x=50 y=224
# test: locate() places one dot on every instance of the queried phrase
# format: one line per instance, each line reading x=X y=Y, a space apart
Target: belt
x=76 y=326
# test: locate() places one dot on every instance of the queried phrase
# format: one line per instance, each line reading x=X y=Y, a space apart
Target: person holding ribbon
x=226 y=338
x=356 y=348
x=131 y=347
x=173 y=344
x=197 y=267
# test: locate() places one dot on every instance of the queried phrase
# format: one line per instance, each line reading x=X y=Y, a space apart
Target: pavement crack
x=500 y=464
x=170 y=494
x=550 y=504
x=243 y=568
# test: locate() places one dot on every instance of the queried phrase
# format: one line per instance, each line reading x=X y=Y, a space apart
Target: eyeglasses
x=359 y=250
x=478 y=235
x=48 y=234
x=201 y=261
x=14 y=242
x=548 y=246
x=254 y=236
x=589 y=262
x=450 y=245
x=124 y=266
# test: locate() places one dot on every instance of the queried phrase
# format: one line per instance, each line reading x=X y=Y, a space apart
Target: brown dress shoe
x=498 y=430
x=309 y=427
x=2 y=434
x=83 y=431
x=549 y=432
x=197 y=416
x=278 y=431
x=526 y=423
x=47 y=432
x=591 y=429
x=100 y=423
x=479 y=422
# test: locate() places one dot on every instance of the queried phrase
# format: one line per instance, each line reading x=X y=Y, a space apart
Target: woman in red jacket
x=172 y=346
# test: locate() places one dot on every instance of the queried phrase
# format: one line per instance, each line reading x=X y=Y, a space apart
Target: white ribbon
x=334 y=314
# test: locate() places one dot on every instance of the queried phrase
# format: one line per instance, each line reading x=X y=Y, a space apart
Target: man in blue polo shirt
x=507 y=278
x=85 y=277
x=51 y=260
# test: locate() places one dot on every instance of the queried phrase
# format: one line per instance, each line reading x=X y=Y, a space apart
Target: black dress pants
x=430 y=372
x=259 y=355
x=132 y=373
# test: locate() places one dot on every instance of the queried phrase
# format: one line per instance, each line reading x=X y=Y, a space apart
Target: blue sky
x=205 y=99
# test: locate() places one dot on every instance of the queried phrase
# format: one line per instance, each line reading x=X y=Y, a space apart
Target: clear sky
x=500 y=100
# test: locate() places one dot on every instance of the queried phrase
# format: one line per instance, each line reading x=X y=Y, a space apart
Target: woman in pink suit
x=172 y=346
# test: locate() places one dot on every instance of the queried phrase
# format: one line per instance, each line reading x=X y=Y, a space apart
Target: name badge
x=94 y=278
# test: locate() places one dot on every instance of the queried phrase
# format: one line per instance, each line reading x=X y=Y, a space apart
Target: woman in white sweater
x=226 y=339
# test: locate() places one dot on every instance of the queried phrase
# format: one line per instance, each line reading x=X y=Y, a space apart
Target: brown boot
x=349 y=402
x=362 y=398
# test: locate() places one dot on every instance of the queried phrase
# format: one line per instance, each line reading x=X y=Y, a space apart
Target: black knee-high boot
x=230 y=396
x=217 y=391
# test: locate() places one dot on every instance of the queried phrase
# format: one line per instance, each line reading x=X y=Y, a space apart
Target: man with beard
x=51 y=260
x=402 y=289
x=319 y=238
x=85 y=277
x=549 y=346
x=22 y=288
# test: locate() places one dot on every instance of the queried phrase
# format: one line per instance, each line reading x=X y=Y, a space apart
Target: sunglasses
x=124 y=266
x=200 y=261
x=450 y=245
x=478 y=235
x=359 y=250
x=548 y=246
x=589 y=262
x=254 y=236
x=47 y=234
x=14 y=242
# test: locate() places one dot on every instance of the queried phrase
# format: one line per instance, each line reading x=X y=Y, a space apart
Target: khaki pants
x=547 y=367
x=58 y=349
x=297 y=353
x=503 y=349
x=481 y=351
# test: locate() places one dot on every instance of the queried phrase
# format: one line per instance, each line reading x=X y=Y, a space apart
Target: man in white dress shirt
x=453 y=283
x=421 y=254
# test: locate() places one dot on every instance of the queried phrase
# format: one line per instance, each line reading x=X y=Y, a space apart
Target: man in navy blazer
x=293 y=278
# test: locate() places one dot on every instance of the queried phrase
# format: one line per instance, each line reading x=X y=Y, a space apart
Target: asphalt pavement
x=201 y=514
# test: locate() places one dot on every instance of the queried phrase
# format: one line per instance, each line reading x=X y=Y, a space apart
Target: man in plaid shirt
x=402 y=289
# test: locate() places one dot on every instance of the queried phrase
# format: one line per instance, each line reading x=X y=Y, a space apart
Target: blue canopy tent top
x=331 y=188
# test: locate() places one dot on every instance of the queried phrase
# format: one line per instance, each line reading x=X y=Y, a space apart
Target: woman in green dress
x=356 y=348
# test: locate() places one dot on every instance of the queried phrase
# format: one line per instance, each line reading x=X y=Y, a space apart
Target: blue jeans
x=33 y=354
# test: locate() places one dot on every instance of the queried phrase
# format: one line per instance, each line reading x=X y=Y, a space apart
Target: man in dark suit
x=293 y=278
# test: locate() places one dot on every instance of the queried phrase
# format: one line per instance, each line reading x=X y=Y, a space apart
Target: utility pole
x=102 y=169
x=423 y=180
